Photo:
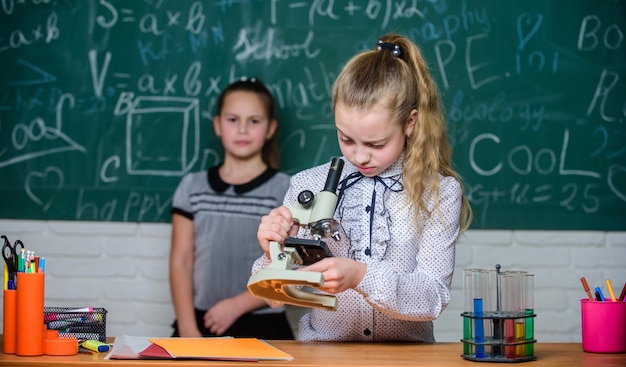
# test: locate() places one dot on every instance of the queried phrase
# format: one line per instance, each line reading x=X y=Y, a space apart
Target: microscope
x=279 y=281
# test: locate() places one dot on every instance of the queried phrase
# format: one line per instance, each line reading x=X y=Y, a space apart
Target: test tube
x=479 y=331
x=520 y=336
x=468 y=290
x=529 y=293
x=507 y=289
x=488 y=307
x=498 y=325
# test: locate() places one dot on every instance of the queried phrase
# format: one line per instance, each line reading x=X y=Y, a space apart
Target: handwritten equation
x=106 y=104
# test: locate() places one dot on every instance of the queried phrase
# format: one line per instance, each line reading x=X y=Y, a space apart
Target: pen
x=599 y=294
x=609 y=286
x=586 y=288
x=623 y=294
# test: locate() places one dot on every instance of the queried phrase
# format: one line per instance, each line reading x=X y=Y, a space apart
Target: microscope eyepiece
x=334 y=174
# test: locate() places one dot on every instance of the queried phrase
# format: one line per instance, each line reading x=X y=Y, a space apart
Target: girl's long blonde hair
x=396 y=74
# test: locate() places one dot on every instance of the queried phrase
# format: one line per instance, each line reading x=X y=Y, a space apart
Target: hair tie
x=395 y=49
x=245 y=79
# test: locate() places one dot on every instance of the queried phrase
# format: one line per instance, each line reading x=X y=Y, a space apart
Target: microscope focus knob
x=305 y=198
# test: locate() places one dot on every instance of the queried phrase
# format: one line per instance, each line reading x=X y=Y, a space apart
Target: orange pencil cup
x=9 y=321
x=30 y=295
x=603 y=326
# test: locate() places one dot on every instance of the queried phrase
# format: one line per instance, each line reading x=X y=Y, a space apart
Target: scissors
x=11 y=257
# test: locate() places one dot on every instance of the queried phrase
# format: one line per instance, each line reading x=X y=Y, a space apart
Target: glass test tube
x=497 y=324
x=520 y=298
x=467 y=322
x=479 y=332
x=487 y=309
x=529 y=304
x=507 y=289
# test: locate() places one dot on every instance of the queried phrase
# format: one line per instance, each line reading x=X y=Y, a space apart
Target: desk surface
x=349 y=354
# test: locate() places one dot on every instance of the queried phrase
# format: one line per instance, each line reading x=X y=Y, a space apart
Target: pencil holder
x=79 y=323
x=498 y=322
x=603 y=326
x=9 y=321
x=30 y=325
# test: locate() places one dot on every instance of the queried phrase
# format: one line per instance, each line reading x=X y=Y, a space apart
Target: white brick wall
x=123 y=268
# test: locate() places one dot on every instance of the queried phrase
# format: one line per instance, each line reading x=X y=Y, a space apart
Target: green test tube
x=467 y=321
x=529 y=310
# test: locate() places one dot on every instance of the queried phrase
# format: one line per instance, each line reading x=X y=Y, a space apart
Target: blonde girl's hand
x=276 y=226
x=340 y=273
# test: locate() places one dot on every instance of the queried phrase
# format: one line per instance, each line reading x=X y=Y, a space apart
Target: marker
x=599 y=294
x=586 y=288
x=623 y=294
x=95 y=345
x=84 y=309
x=67 y=322
x=69 y=314
x=77 y=329
x=80 y=336
x=609 y=286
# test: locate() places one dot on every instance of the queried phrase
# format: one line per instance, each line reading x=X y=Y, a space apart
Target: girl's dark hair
x=270 y=153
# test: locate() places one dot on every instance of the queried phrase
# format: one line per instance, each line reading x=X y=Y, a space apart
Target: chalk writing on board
x=25 y=137
x=50 y=176
x=106 y=104
x=175 y=114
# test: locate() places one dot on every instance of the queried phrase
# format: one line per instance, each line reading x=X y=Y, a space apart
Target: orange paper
x=248 y=349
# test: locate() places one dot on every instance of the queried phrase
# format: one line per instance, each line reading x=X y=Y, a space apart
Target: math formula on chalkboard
x=105 y=105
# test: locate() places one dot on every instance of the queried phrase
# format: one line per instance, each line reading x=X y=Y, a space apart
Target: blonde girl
x=401 y=205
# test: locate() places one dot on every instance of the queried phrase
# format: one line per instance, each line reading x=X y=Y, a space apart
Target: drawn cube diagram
x=162 y=136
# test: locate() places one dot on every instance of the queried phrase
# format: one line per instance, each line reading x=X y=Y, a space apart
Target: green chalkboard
x=105 y=105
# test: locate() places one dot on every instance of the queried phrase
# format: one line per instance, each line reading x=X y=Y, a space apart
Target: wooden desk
x=350 y=354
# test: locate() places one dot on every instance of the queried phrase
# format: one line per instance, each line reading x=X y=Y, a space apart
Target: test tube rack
x=498 y=319
x=502 y=349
